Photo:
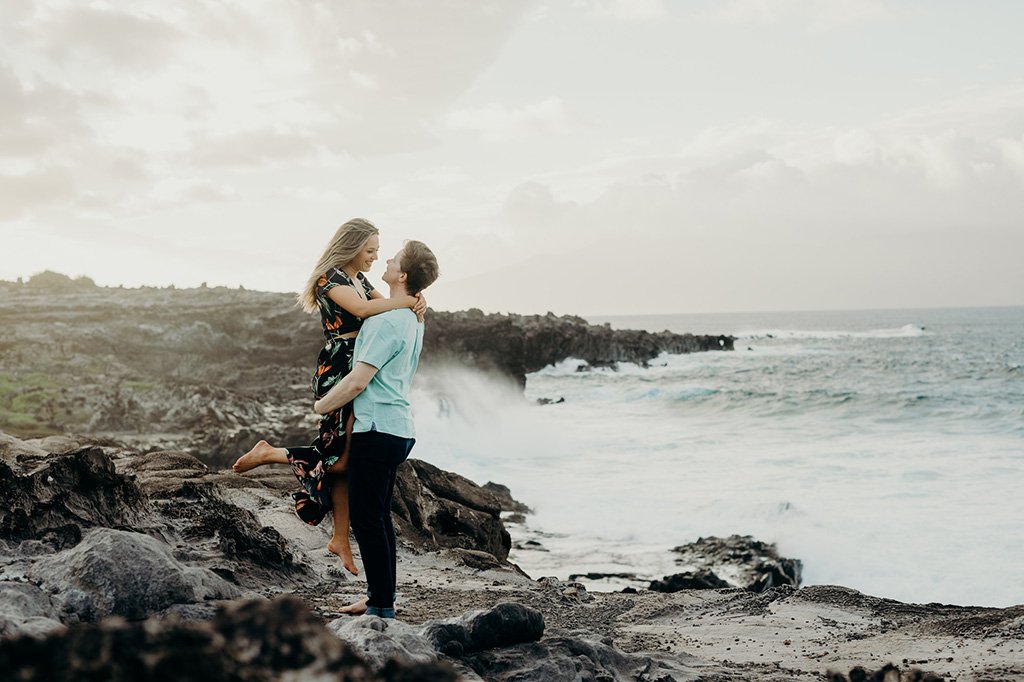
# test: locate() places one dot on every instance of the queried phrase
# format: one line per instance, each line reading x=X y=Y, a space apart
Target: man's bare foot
x=258 y=456
x=344 y=552
x=356 y=608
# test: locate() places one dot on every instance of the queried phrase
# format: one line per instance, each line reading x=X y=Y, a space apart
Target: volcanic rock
x=66 y=495
x=691 y=580
x=442 y=509
x=515 y=345
x=738 y=561
x=252 y=640
x=114 y=572
x=26 y=609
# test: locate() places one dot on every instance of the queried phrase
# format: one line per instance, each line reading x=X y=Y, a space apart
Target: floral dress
x=310 y=464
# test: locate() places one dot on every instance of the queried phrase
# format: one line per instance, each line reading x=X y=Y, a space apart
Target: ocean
x=884 y=449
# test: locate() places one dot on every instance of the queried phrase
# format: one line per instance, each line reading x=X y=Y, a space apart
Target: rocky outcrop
x=690 y=580
x=515 y=345
x=506 y=642
x=735 y=561
x=114 y=572
x=66 y=495
x=81 y=540
x=455 y=638
x=108 y=531
x=442 y=509
x=252 y=640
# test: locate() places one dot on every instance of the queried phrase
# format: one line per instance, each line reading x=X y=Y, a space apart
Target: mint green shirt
x=391 y=342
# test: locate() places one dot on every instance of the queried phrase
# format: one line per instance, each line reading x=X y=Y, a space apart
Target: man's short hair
x=419 y=265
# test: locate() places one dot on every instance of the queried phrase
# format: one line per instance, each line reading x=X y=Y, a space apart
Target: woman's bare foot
x=261 y=453
x=344 y=552
x=356 y=608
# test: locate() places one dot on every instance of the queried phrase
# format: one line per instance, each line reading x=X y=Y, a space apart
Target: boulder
x=249 y=552
x=739 y=561
x=439 y=509
x=67 y=494
x=114 y=572
x=26 y=610
x=382 y=640
x=568 y=655
x=691 y=580
x=504 y=625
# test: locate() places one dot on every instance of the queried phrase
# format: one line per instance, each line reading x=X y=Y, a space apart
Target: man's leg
x=372 y=465
x=402 y=452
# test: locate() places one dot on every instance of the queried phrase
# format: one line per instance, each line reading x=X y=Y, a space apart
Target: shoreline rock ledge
x=516 y=345
x=116 y=564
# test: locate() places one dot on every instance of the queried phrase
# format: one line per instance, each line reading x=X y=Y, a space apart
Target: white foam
x=906 y=331
x=631 y=465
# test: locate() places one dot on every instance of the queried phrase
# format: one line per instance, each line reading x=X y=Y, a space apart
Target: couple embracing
x=361 y=385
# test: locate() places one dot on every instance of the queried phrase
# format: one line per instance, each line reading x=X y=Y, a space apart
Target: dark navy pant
x=372 y=466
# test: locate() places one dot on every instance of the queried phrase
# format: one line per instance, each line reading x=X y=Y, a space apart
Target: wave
x=906 y=331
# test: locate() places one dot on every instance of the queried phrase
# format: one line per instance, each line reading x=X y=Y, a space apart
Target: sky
x=587 y=156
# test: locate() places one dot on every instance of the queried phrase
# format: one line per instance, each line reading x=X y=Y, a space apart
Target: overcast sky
x=585 y=156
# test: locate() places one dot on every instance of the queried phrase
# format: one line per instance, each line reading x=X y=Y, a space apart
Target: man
x=383 y=364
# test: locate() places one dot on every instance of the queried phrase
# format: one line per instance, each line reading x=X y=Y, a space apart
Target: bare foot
x=258 y=456
x=344 y=552
x=356 y=608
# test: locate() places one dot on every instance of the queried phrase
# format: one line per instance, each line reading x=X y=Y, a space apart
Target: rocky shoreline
x=211 y=370
x=134 y=553
x=166 y=566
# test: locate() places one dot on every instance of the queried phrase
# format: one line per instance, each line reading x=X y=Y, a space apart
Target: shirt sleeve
x=378 y=342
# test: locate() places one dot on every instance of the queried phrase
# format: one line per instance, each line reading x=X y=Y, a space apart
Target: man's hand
x=347 y=389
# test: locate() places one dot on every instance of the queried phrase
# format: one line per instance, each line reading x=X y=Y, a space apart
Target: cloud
x=123 y=40
x=251 y=148
x=495 y=123
x=191 y=88
x=815 y=14
x=769 y=217
x=35 y=119
x=626 y=10
x=363 y=81
x=20 y=193
x=176 y=191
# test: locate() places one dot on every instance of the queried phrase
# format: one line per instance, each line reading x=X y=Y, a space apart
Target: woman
x=341 y=294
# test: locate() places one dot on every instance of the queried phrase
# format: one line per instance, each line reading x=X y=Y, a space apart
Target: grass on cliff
x=26 y=404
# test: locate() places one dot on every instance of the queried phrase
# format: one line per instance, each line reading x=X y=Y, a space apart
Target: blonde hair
x=345 y=245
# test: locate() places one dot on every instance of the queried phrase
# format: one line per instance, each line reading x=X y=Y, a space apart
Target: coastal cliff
x=517 y=345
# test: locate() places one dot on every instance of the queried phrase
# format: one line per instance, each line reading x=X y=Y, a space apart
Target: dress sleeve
x=367 y=287
x=332 y=279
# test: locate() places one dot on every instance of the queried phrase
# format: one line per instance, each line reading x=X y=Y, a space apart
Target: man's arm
x=347 y=389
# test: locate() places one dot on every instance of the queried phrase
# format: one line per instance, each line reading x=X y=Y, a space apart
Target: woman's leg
x=339 y=543
x=261 y=453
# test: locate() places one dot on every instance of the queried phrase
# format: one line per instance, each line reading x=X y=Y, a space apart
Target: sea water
x=884 y=449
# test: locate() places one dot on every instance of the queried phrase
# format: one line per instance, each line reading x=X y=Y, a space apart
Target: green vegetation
x=140 y=386
x=26 y=404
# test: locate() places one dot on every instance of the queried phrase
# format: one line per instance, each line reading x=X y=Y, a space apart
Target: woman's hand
x=420 y=307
